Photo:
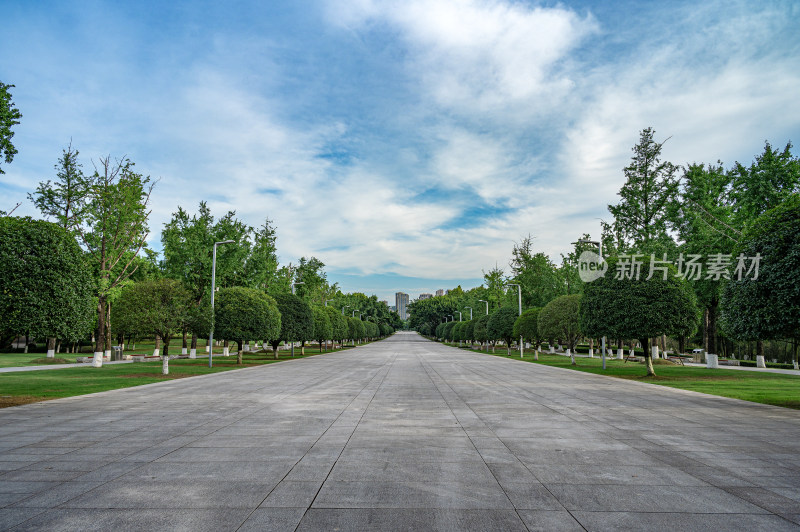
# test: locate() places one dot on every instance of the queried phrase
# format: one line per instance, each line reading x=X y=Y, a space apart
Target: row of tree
x=743 y=211
x=95 y=250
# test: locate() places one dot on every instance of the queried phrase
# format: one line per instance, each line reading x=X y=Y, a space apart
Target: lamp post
x=344 y=307
x=600 y=252
x=487 y=305
x=213 y=288
x=519 y=289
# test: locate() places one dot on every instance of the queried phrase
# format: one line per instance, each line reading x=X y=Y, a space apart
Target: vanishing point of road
x=403 y=434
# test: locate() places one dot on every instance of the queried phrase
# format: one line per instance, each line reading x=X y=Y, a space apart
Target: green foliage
x=243 y=314
x=768 y=307
x=45 y=287
x=768 y=181
x=65 y=199
x=458 y=331
x=339 y=327
x=469 y=331
x=641 y=216
x=527 y=326
x=500 y=325
x=641 y=309
x=561 y=319
x=159 y=307
x=297 y=319
x=447 y=330
x=322 y=324
x=479 y=330
x=9 y=117
x=536 y=274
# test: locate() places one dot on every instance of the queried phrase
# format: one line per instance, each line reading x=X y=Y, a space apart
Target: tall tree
x=9 y=117
x=771 y=178
x=64 y=200
x=767 y=305
x=641 y=216
x=536 y=273
x=560 y=319
x=243 y=314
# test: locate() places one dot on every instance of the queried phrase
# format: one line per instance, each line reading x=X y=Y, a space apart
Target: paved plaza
x=403 y=434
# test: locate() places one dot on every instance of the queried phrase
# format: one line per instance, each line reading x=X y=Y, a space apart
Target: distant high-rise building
x=425 y=296
x=401 y=300
x=440 y=292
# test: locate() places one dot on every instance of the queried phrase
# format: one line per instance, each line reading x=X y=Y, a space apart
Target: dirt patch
x=154 y=376
x=45 y=360
x=16 y=400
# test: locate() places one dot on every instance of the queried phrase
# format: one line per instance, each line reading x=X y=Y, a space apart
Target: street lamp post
x=487 y=305
x=519 y=291
x=213 y=288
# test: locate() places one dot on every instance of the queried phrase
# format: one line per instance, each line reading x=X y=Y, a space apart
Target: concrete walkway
x=403 y=434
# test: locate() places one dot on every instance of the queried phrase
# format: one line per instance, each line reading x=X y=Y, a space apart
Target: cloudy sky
x=407 y=144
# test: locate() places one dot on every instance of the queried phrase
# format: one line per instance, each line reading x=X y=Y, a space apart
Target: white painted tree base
x=184 y=350
x=591 y=353
x=620 y=354
x=193 y=353
x=156 y=352
x=51 y=353
x=225 y=351
x=760 y=362
x=97 y=360
x=712 y=361
x=165 y=365
x=655 y=352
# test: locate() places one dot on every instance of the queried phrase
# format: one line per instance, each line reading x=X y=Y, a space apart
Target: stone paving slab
x=403 y=434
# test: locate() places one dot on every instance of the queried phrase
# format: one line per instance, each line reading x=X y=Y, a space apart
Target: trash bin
x=117 y=352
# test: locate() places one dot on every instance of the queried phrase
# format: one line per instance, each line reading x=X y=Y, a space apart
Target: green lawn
x=31 y=386
x=760 y=387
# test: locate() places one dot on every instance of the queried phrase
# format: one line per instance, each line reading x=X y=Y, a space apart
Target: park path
x=403 y=434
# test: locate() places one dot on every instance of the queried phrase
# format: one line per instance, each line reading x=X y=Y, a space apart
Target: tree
x=501 y=325
x=65 y=199
x=770 y=179
x=188 y=243
x=297 y=321
x=527 y=326
x=338 y=324
x=767 y=306
x=322 y=325
x=560 y=319
x=9 y=117
x=160 y=307
x=621 y=307
x=641 y=216
x=536 y=273
x=469 y=331
x=45 y=287
x=113 y=208
x=480 y=332
x=702 y=219
x=243 y=314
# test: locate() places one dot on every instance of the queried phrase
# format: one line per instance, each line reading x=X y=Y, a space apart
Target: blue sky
x=408 y=144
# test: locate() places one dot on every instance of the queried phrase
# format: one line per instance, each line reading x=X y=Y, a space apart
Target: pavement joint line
x=429 y=368
x=363 y=413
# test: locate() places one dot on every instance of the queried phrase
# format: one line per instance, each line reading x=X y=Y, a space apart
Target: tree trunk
x=51 y=347
x=705 y=330
x=302 y=348
x=185 y=345
x=239 y=354
x=275 y=349
x=226 y=348
x=165 y=363
x=648 y=356
x=681 y=344
x=193 y=347
x=157 y=349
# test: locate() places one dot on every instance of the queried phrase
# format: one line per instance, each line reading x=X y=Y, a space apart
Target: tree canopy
x=243 y=314
x=501 y=325
x=297 y=321
x=45 y=287
x=9 y=117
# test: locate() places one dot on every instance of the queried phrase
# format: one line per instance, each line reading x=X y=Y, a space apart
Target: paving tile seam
x=388 y=367
x=660 y=391
x=546 y=485
x=428 y=368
